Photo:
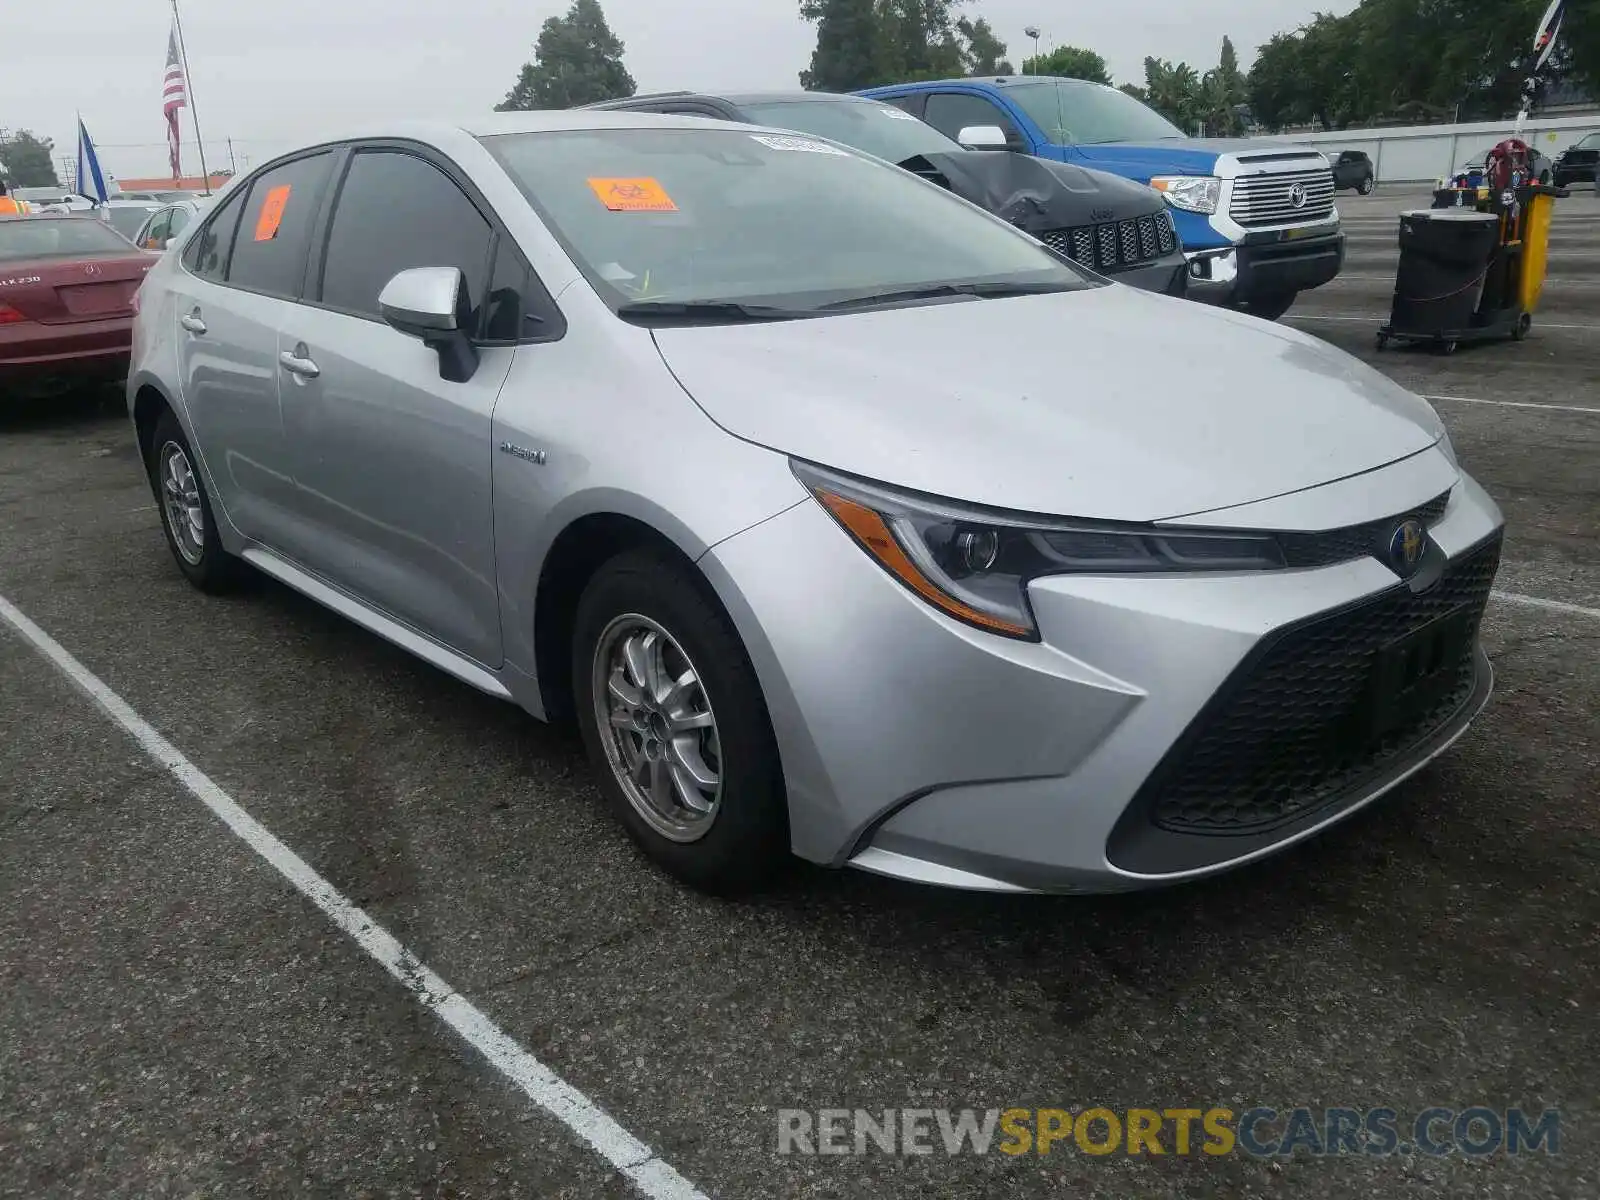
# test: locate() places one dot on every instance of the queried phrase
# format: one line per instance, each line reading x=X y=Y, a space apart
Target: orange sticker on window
x=633 y=195
x=272 y=212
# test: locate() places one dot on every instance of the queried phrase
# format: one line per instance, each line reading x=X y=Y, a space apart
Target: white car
x=165 y=223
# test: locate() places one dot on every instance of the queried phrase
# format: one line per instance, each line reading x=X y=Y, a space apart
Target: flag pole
x=188 y=86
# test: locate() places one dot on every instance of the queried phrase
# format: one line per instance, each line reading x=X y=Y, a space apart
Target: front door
x=392 y=462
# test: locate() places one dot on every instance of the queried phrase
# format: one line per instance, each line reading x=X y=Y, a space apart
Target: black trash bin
x=1444 y=258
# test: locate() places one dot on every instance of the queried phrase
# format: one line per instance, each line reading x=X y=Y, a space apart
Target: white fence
x=1417 y=153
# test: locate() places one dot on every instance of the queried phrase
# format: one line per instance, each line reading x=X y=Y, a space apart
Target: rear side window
x=397 y=211
x=206 y=255
x=269 y=253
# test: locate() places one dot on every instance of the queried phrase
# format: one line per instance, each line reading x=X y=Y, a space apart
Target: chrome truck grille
x=1286 y=198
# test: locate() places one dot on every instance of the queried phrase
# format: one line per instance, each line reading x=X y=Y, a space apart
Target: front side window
x=127 y=221
x=269 y=252
x=692 y=215
x=159 y=229
x=880 y=129
x=1072 y=112
x=951 y=112
x=396 y=211
x=179 y=218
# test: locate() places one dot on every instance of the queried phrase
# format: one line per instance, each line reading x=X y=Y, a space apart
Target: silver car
x=846 y=520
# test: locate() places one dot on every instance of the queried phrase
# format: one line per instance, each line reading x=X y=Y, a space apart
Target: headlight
x=975 y=564
x=1192 y=193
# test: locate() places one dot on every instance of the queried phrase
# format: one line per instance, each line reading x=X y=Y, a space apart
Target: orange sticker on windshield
x=633 y=195
x=272 y=213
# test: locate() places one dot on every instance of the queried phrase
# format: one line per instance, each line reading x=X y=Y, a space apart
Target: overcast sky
x=272 y=75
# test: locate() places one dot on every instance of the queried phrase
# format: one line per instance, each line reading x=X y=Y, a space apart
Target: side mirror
x=169 y=243
x=983 y=137
x=430 y=304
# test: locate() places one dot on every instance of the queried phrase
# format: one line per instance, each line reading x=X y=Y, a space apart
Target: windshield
x=1592 y=142
x=879 y=129
x=704 y=215
x=127 y=221
x=65 y=237
x=1072 y=112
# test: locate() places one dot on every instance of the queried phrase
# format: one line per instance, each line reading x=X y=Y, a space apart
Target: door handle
x=296 y=363
x=192 y=322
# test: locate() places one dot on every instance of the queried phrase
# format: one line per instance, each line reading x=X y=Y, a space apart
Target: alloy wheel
x=180 y=495
x=658 y=728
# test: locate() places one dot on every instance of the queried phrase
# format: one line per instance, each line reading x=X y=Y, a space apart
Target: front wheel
x=1269 y=307
x=1367 y=186
x=673 y=717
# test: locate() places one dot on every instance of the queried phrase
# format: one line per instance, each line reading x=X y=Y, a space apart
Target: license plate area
x=97 y=299
x=1413 y=674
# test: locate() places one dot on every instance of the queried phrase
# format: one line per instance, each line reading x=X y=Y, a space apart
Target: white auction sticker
x=899 y=114
x=802 y=145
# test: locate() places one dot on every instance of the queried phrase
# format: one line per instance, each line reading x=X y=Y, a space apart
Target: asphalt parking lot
x=177 y=1019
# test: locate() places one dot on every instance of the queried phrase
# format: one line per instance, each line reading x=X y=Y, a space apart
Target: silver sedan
x=846 y=520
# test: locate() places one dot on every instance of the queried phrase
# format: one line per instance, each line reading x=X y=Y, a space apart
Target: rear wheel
x=1269 y=307
x=186 y=513
x=673 y=718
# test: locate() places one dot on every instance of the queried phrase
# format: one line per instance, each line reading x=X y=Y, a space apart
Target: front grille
x=1291 y=732
x=1115 y=245
x=1270 y=199
x=1353 y=541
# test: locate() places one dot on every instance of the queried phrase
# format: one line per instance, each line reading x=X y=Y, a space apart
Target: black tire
x=1269 y=307
x=205 y=563
x=746 y=844
x=1522 y=328
x=1367 y=186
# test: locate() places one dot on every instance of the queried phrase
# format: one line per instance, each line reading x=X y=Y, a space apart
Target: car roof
x=574 y=118
x=1002 y=81
x=775 y=96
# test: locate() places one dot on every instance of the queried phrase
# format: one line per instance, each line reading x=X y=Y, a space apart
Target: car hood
x=1036 y=194
x=1143 y=160
x=1107 y=403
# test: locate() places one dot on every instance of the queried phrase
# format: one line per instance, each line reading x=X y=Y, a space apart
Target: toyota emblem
x=1297 y=195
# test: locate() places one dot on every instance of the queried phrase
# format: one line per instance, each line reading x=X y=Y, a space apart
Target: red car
x=67 y=287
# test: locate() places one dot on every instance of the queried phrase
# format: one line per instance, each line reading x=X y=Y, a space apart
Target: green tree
x=577 y=60
x=1222 y=93
x=982 y=53
x=25 y=160
x=1070 y=62
x=1173 y=90
x=847 y=39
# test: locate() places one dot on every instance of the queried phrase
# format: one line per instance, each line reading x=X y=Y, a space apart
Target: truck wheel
x=1269 y=307
x=1367 y=185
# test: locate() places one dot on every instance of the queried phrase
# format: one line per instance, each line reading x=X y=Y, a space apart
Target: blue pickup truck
x=1257 y=220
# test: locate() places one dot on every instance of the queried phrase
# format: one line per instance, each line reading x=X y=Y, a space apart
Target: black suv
x=1353 y=170
x=1109 y=224
x=1579 y=162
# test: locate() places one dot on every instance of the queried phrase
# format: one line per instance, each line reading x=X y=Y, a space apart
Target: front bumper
x=918 y=747
x=1266 y=264
x=1168 y=276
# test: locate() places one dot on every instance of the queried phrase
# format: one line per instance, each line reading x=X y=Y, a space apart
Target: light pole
x=1032 y=31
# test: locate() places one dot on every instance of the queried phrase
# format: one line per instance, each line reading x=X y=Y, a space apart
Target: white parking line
x=633 y=1159
x=1514 y=404
x=1560 y=606
x=1566 y=281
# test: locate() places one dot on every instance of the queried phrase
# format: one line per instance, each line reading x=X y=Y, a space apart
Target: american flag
x=174 y=95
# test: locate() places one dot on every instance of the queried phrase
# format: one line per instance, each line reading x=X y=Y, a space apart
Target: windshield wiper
x=707 y=311
x=934 y=291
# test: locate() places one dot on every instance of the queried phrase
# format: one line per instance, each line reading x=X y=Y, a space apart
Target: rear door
x=392 y=461
x=243 y=272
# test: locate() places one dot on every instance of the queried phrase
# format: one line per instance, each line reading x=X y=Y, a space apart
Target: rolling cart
x=1472 y=267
